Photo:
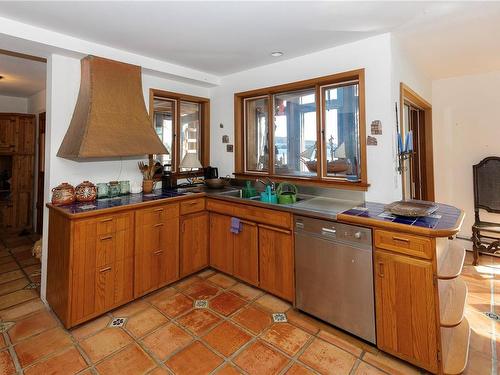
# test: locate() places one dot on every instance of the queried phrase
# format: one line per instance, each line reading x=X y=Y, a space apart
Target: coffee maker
x=210 y=172
x=168 y=181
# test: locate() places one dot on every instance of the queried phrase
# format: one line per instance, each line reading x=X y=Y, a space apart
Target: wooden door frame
x=40 y=172
x=407 y=95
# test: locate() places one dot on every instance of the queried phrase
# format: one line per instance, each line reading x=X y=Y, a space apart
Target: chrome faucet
x=267 y=182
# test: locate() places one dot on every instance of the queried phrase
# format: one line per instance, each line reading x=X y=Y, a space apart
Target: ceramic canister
x=86 y=192
x=102 y=190
x=63 y=194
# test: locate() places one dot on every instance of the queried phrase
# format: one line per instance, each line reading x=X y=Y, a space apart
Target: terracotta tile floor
x=166 y=334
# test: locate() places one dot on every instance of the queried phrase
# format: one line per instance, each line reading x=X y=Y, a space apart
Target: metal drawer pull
x=158 y=252
x=158 y=225
x=193 y=202
x=105 y=269
x=106 y=220
x=106 y=238
x=328 y=230
x=400 y=239
x=158 y=210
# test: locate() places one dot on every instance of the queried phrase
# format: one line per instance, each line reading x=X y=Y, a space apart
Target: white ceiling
x=22 y=77
x=216 y=37
x=443 y=38
x=454 y=39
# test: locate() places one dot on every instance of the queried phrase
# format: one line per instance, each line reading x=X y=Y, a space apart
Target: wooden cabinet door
x=276 y=261
x=25 y=142
x=246 y=253
x=156 y=248
x=168 y=252
x=194 y=243
x=102 y=265
x=6 y=215
x=405 y=308
x=8 y=125
x=221 y=243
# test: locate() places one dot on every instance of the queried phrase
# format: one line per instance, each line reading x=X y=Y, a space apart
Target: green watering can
x=287 y=193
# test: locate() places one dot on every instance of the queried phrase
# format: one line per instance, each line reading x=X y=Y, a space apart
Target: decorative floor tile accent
x=492 y=315
x=279 y=318
x=117 y=322
x=32 y=286
x=201 y=304
x=5 y=326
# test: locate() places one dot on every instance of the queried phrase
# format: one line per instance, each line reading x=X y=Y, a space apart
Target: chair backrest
x=487 y=185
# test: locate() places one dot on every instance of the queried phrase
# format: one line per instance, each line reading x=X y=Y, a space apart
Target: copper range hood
x=110 y=118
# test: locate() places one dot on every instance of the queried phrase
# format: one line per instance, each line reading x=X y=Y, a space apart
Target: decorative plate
x=411 y=208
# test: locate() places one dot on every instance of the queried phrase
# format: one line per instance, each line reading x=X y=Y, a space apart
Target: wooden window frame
x=318 y=84
x=204 y=127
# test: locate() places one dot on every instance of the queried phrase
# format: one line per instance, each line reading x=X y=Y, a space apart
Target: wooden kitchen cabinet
x=276 y=265
x=246 y=253
x=221 y=243
x=234 y=254
x=8 y=133
x=101 y=269
x=194 y=242
x=17 y=144
x=156 y=248
x=405 y=303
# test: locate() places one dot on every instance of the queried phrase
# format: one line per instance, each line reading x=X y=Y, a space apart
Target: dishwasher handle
x=328 y=231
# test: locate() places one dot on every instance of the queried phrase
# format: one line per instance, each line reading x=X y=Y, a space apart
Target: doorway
x=418 y=172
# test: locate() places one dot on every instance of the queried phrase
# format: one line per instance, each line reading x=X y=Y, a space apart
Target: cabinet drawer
x=421 y=247
x=112 y=223
x=264 y=215
x=192 y=205
x=156 y=214
x=220 y=207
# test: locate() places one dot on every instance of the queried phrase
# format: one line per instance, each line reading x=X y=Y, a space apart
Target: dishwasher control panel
x=334 y=230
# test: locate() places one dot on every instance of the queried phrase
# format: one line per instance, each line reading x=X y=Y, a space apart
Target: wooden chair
x=486 y=235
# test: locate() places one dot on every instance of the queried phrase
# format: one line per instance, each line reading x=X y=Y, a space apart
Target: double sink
x=239 y=194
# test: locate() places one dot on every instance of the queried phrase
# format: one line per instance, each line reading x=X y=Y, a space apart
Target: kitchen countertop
x=446 y=221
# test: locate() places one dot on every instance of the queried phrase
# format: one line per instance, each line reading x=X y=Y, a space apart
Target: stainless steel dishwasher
x=334 y=274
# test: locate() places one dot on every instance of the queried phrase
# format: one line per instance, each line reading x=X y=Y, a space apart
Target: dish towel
x=235 y=225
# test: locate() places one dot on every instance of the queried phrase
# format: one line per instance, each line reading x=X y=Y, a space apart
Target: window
x=182 y=123
x=316 y=129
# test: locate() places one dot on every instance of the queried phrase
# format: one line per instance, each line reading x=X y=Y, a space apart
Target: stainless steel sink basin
x=239 y=194
x=232 y=193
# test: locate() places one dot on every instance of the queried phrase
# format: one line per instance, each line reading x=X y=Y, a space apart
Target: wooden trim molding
x=205 y=125
x=317 y=84
x=407 y=95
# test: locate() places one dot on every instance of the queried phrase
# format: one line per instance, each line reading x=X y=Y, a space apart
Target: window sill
x=307 y=181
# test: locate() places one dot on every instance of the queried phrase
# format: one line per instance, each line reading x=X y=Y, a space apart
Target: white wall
x=373 y=54
x=36 y=102
x=63 y=83
x=466 y=129
x=403 y=70
x=13 y=104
